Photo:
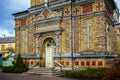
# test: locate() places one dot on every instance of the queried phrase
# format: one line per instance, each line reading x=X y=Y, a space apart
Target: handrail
x=59 y=64
x=35 y=64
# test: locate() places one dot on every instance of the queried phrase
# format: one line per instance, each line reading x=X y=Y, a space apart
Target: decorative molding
x=87 y=8
x=67 y=17
x=48 y=28
x=37 y=35
x=88 y=34
x=23 y=27
x=31 y=56
x=22 y=16
x=17 y=29
x=54 y=32
x=58 y=4
x=47 y=20
x=46 y=14
x=87 y=55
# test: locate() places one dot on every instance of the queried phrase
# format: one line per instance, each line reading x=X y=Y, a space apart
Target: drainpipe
x=72 y=27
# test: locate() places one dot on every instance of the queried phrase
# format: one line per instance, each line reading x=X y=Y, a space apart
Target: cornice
x=24 y=27
x=47 y=20
x=35 y=23
x=49 y=32
x=86 y=55
x=21 y=16
x=17 y=29
x=57 y=4
x=53 y=6
x=93 y=14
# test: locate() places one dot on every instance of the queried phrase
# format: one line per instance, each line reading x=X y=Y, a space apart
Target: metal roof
x=7 y=39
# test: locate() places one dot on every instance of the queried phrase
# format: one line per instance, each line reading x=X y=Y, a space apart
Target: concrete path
x=9 y=76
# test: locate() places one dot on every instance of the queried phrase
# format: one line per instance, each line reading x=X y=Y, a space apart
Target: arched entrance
x=50 y=49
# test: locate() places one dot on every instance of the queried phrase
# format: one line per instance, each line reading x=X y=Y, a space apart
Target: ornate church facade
x=62 y=33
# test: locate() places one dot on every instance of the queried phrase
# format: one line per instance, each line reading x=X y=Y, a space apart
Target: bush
x=18 y=67
x=7 y=69
x=90 y=73
x=96 y=72
x=112 y=73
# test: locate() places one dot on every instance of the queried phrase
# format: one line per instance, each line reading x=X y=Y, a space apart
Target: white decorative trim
x=47 y=28
x=107 y=37
x=88 y=35
x=49 y=12
x=87 y=55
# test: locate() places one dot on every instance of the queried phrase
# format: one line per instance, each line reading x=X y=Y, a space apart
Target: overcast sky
x=8 y=7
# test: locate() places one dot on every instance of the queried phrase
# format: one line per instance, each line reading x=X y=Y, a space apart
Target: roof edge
x=14 y=14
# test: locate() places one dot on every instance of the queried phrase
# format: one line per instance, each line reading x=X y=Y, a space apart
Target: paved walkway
x=9 y=76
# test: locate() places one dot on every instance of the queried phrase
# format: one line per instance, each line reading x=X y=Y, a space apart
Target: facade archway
x=50 y=50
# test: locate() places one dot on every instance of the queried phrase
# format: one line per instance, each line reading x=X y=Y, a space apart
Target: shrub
x=68 y=73
x=112 y=73
x=7 y=69
x=96 y=72
x=18 y=67
x=90 y=73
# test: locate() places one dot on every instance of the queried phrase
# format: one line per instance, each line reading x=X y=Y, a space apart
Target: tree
x=19 y=65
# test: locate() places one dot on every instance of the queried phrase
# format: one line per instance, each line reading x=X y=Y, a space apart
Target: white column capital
x=58 y=32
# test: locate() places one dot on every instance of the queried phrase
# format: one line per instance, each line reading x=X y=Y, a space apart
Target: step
x=43 y=71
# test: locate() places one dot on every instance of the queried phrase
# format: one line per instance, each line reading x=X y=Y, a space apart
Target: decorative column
x=88 y=34
x=58 y=42
x=107 y=37
x=58 y=52
x=23 y=43
x=38 y=44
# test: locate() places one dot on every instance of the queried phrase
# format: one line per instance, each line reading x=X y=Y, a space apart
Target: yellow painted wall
x=5 y=52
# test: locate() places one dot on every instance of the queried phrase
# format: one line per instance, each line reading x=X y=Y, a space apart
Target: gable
x=46 y=14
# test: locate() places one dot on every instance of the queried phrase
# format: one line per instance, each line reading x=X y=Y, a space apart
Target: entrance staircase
x=37 y=70
x=43 y=71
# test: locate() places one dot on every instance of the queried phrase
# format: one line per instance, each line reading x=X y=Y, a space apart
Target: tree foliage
x=18 y=67
x=112 y=73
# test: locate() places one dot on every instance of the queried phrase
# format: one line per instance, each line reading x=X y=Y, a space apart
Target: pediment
x=46 y=14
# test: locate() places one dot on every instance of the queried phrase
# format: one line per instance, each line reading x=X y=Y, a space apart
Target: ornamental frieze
x=47 y=13
x=48 y=28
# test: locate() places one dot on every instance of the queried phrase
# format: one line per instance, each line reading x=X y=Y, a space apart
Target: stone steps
x=43 y=71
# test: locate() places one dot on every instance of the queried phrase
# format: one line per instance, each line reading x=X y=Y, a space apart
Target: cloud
x=7 y=33
x=7 y=24
x=18 y=5
x=118 y=3
x=7 y=28
x=9 y=7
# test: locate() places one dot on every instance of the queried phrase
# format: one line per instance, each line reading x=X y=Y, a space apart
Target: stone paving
x=9 y=76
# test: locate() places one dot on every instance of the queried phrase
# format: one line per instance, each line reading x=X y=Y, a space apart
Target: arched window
x=50 y=43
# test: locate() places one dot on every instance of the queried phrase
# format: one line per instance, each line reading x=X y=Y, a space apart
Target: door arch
x=50 y=43
x=50 y=47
